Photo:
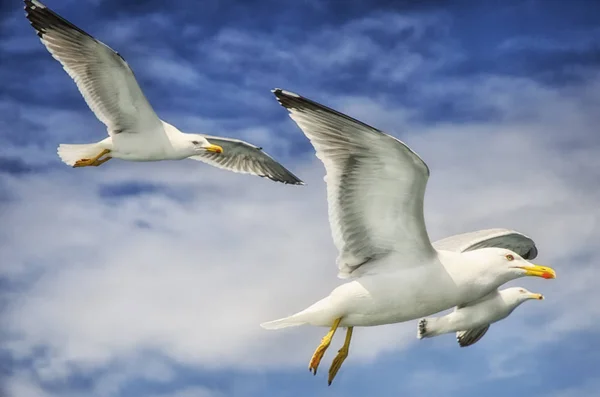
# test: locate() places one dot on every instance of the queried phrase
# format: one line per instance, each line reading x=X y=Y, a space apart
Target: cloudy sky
x=150 y=279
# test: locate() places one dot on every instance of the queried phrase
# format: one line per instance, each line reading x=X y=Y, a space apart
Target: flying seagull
x=375 y=192
x=135 y=132
x=472 y=321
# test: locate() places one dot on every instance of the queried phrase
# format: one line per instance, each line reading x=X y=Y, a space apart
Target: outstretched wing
x=499 y=238
x=103 y=77
x=240 y=156
x=375 y=186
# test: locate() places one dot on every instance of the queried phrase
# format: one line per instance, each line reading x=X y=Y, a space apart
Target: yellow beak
x=537 y=296
x=539 y=271
x=214 y=149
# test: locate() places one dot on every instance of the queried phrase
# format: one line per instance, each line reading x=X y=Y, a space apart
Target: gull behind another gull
x=472 y=321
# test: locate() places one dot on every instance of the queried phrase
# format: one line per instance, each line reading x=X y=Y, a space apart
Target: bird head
x=517 y=295
x=499 y=265
x=199 y=144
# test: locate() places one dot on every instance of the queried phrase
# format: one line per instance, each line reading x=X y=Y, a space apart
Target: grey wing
x=471 y=336
x=102 y=76
x=375 y=186
x=240 y=156
x=500 y=238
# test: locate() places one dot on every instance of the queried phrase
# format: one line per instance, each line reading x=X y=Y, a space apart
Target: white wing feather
x=240 y=156
x=375 y=186
x=102 y=76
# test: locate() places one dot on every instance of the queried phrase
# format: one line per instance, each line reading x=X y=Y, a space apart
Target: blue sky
x=150 y=279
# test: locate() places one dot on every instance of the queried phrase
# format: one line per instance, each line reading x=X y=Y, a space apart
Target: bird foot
x=93 y=162
x=337 y=364
x=318 y=355
x=82 y=163
x=325 y=342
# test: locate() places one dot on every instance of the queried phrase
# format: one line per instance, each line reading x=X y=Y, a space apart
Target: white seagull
x=135 y=132
x=472 y=321
x=375 y=192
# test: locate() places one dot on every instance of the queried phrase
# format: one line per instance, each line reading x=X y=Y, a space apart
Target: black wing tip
x=466 y=342
x=472 y=336
x=463 y=339
x=287 y=99
x=279 y=92
x=33 y=4
x=44 y=19
x=292 y=180
x=34 y=11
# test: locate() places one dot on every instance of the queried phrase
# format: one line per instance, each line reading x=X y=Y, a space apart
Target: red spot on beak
x=546 y=275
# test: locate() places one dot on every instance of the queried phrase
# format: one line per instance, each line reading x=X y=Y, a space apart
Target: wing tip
x=44 y=20
x=39 y=16
x=33 y=4
x=281 y=92
x=293 y=180
x=287 y=99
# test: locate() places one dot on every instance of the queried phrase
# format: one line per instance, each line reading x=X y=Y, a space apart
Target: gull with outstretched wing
x=135 y=132
x=375 y=194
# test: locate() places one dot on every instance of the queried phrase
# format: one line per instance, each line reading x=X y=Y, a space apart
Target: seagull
x=472 y=321
x=135 y=132
x=375 y=193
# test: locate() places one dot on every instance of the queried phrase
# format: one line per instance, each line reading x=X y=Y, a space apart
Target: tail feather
x=69 y=154
x=317 y=314
x=291 y=321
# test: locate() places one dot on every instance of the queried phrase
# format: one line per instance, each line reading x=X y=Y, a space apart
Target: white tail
x=316 y=314
x=291 y=321
x=69 y=154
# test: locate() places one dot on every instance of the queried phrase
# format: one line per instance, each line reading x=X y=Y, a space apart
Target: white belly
x=393 y=298
x=137 y=147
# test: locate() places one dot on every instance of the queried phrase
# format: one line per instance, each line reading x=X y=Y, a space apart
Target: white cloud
x=23 y=385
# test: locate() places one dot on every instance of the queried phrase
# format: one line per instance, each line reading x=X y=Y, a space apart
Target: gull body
x=471 y=322
x=135 y=132
x=131 y=147
x=375 y=195
x=451 y=279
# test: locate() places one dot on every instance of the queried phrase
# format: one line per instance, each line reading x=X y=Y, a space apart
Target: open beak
x=214 y=149
x=537 y=296
x=539 y=271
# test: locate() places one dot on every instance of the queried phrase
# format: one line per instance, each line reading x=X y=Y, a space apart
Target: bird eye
x=195 y=142
x=510 y=257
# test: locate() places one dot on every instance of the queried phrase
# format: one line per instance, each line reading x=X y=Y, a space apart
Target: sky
x=151 y=279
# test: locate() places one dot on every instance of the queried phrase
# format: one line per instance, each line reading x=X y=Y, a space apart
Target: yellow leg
x=100 y=162
x=341 y=356
x=325 y=342
x=93 y=162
